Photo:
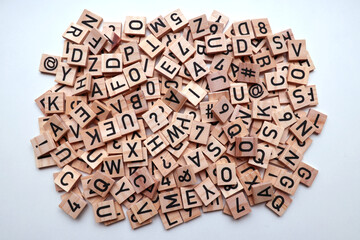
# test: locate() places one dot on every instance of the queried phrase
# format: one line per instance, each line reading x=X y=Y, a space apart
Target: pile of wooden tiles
x=176 y=117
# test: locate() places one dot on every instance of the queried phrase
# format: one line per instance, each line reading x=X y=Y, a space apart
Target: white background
x=328 y=210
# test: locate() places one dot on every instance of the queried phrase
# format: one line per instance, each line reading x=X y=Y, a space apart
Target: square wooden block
x=199 y=132
x=279 y=203
x=185 y=176
x=165 y=163
x=122 y=190
x=101 y=183
x=42 y=144
x=73 y=205
x=83 y=114
x=306 y=173
x=207 y=191
x=246 y=146
x=271 y=133
x=318 y=119
x=64 y=154
x=104 y=211
x=135 y=26
x=182 y=49
x=67 y=178
x=262 y=192
x=297 y=50
x=302 y=129
x=287 y=182
x=226 y=174
x=170 y=201
x=143 y=210
x=223 y=109
x=238 y=205
x=141 y=179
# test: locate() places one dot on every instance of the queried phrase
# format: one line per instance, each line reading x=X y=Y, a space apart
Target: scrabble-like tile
x=174 y=99
x=56 y=127
x=241 y=46
x=111 y=63
x=64 y=154
x=170 y=201
x=167 y=67
x=214 y=149
x=134 y=223
x=185 y=176
x=143 y=210
x=197 y=67
x=95 y=41
x=104 y=211
x=42 y=144
x=199 y=132
x=250 y=179
x=276 y=44
x=207 y=191
x=182 y=49
x=199 y=27
x=279 y=203
x=159 y=27
x=303 y=128
x=287 y=182
x=194 y=93
x=78 y=55
x=271 y=133
x=306 y=173
x=141 y=179
x=262 y=192
x=165 y=163
x=238 y=205
x=135 y=26
x=297 y=50
x=261 y=27
x=155 y=119
x=101 y=184
x=318 y=119
x=223 y=109
x=215 y=43
x=49 y=64
x=226 y=174
x=75 y=33
x=239 y=93
x=246 y=146
x=170 y=219
x=73 y=205
x=134 y=74
x=89 y=19
x=122 y=190
x=176 y=20
x=151 y=46
x=67 y=178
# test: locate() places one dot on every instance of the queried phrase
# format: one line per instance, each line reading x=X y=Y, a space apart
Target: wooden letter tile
x=104 y=211
x=287 y=182
x=279 y=203
x=262 y=192
x=67 y=178
x=207 y=191
x=306 y=173
x=226 y=174
x=170 y=201
x=73 y=205
x=143 y=210
x=271 y=133
x=246 y=146
x=101 y=183
x=238 y=205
